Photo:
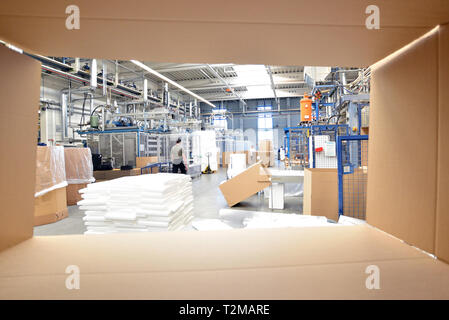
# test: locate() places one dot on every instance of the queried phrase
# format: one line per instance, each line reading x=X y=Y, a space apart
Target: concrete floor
x=208 y=200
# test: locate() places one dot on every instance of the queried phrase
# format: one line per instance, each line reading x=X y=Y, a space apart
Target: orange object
x=306 y=109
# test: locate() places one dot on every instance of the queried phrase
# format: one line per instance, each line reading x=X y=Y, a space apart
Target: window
x=264 y=124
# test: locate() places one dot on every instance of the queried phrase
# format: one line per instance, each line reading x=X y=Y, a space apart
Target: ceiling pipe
x=164 y=78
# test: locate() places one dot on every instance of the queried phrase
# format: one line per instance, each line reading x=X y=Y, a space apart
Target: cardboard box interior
x=394 y=203
x=18 y=160
x=286 y=263
x=405 y=192
x=195 y=28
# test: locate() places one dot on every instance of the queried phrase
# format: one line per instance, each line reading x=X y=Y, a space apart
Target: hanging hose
x=82 y=119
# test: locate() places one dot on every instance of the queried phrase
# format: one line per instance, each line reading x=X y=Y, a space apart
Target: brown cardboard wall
x=442 y=216
x=19 y=92
x=403 y=142
x=196 y=26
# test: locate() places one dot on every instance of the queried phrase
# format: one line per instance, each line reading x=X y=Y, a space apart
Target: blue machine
x=297 y=141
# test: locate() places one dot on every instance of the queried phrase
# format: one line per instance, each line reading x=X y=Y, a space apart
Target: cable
x=82 y=119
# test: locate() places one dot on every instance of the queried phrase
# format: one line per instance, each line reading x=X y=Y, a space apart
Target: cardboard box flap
x=195 y=26
x=442 y=214
x=19 y=89
x=401 y=188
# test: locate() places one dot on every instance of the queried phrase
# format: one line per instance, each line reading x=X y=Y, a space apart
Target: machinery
x=306 y=109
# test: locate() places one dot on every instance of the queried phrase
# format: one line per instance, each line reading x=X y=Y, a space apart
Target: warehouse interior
x=125 y=117
x=277 y=198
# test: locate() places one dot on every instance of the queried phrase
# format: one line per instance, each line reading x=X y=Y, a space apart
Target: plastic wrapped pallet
x=50 y=169
x=156 y=202
x=78 y=165
x=79 y=172
x=50 y=190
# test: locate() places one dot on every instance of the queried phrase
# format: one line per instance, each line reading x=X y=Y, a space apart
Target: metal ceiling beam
x=282 y=94
x=226 y=83
x=212 y=86
x=184 y=67
x=164 y=78
x=273 y=87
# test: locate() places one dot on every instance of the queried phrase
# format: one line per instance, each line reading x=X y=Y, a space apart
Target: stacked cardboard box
x=266 y=153
x=50 y=188
x=152 y=202
x=79 y=172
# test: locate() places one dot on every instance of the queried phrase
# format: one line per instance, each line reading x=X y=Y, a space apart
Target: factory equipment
x=304 y=142
x=306 y=109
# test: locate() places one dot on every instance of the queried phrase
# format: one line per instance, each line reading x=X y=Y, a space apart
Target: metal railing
x=352 y=154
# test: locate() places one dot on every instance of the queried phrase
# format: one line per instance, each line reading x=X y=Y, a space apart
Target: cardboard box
x=266 y=153
x=35 y=268
x=115 y=173
x=321 y=193
x=144 y=161
x=245 y=184
x=50 y=207
x=73 y=195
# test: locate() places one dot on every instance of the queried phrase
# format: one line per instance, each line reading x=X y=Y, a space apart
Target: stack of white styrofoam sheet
x=151 y=202
x=259 y=219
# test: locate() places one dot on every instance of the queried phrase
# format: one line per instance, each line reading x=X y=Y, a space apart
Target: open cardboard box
x=407 y=191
